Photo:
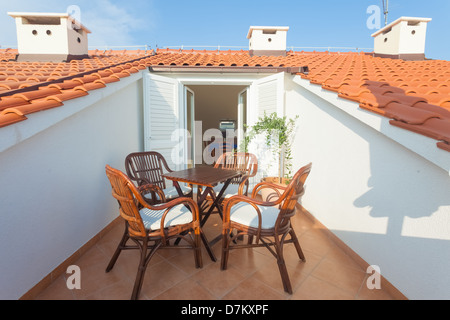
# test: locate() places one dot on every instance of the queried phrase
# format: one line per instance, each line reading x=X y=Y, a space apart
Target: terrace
x=375 y=128
x=329 y=273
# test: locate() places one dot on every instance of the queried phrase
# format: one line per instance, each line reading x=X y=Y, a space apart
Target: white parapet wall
x=382 y=190
x=55 y=196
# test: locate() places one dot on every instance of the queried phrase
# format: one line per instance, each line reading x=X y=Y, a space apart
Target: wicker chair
x=265 y=221
x=237 y=161
x=152 y=227
x=148 y=168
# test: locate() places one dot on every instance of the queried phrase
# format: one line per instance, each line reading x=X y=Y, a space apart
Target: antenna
x=385 y=11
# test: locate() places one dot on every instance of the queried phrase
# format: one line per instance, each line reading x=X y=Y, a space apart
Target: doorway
x=215 y=105
x=174 y=99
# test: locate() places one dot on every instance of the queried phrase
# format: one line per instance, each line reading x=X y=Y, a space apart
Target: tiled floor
x=252 y=273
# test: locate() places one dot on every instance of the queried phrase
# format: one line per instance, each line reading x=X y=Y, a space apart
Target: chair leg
x=143 y=263
x=225 y=249
x=282 y=267
x=116 y=254
x=140 y=273
x=197 y=250
x=297 y=245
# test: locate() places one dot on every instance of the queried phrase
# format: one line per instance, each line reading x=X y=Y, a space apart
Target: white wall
x=55 y=195
x=387 y=203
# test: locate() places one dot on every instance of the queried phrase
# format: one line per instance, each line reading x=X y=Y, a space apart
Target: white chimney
x=267 y=41
x=50 y=37
x=402 y=39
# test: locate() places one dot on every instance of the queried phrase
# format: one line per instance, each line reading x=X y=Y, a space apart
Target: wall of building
x=55 y=196
x=386 y=202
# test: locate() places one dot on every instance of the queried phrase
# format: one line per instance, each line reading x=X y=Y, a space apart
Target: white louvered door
x=164 y=119
x=267 y=96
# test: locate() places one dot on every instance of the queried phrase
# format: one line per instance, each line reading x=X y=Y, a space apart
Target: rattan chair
x=152 y=227
x=148 y=168
x=246 y=162
x=268 y=222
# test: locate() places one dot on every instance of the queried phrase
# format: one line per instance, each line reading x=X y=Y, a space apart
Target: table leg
x=216 y=201
x=202 y=235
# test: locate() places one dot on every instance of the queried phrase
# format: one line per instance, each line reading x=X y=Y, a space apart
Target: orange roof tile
x=415 y=95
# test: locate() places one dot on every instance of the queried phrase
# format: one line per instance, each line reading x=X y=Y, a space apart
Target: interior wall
x=214 y=103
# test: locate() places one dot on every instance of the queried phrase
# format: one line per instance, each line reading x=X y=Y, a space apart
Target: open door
x=164 y=119
x=242 y=116
x=189 y=102
x=266 y=96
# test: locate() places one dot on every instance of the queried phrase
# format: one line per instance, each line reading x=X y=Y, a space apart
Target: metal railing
x=106 y=47
x=293 y=48
x=218 y=47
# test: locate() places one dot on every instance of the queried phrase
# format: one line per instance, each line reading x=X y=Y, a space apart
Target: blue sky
x=162 y=23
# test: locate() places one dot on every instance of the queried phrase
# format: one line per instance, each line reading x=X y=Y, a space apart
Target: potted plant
x=278 y=133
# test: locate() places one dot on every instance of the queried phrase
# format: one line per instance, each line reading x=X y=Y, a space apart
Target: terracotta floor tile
x=375 y=294
x=57 y=291
x=118 y=291
x=218 y=282
x=270 y=275
x=185 y=261
x=316 y=289
x=93 y=258
x=253 y=289
x=128 y=263
x=315 y=241
x=340 y=275
x=161 y=277
x=186 y=290
x=338 y=256
x=247 y=261
x=95 y=278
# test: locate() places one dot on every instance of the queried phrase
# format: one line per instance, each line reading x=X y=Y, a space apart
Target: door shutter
x=267 y=96
x=162 y=118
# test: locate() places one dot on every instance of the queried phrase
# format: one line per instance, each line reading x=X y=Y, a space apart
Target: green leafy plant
x=279 y=133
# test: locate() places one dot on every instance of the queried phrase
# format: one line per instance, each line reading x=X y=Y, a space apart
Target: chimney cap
x=250 y=31
x=41 y=15
x=409 y=19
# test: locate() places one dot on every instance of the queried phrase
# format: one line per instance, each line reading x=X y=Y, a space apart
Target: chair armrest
x=268 y=185
x=243 y=185
x=140 y=181
x=240 y=198
x=153 y=189
x=228 y=203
